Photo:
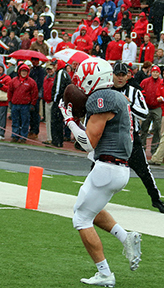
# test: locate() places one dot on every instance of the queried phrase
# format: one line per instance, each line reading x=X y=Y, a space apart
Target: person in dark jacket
x=1 y=12
x=14 y=27
x=37 y=73
x=131 y=80
x=47 y=89
x=144 y=72
x=22 y=94
x=147 y=8
x=1 y=26
x=126 y=23
x=30 y=27
x=4 y=39
x=21 y=18
x=62 y=80
x=103 y=40
x=43 y=28
x=97 y=51
x=12 y=43
x=49 y=16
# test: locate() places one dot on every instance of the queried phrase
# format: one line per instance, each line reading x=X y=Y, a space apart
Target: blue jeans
x=20 y=114
x=3 y=116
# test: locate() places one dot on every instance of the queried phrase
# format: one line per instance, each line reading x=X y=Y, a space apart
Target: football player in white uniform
x=109 y=133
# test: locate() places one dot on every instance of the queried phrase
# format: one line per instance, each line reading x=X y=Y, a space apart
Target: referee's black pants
x=138 y=163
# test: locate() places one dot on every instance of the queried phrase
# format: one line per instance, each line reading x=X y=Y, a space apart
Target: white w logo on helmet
x=93 y=74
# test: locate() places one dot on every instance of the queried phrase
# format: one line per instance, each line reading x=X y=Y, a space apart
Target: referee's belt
x=112 y=159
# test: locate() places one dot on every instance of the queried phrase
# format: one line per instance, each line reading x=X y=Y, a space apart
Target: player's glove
x=66 y=112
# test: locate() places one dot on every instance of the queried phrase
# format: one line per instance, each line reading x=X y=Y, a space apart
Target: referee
x=139 y=109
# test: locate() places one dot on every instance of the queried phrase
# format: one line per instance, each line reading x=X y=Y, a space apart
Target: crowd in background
x=23 y=21
x=105 y=32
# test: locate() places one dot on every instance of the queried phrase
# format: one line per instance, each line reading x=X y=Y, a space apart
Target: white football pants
x=101 y=184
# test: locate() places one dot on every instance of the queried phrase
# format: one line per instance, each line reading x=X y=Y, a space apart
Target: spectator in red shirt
x=115 y=48
x=89 y=19
x=26 y=42
x=69 y=70
x=4 y=83
x=160 y=98
x=23 y=95
x=140 y=27
x=65 y=43
x=120 y=15
x=35 y=34
x=83 y=22
x=127 y=3
x=157 y=158
x=83 y=42
x=150 y=85
x=147 y=50
x=136 y=3
x=95 y=30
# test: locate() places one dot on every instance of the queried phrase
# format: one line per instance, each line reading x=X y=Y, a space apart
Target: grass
x=136 y=196
x=40 y=250
x=43 y=250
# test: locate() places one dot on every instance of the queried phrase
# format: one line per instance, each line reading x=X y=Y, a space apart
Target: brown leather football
x=78 y=99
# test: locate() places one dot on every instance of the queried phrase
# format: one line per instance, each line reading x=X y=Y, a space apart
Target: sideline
x=130 y=218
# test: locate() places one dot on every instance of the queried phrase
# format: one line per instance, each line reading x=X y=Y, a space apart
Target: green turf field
x=43 y=250
x=136 y=196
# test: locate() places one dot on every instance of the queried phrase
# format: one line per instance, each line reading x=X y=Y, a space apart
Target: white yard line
x=141 y=220
x=9 y=208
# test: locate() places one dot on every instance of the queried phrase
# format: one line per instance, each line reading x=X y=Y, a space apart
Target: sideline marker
x=33 y=188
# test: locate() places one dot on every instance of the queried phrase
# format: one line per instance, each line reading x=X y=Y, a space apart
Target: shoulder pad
x=104 y=100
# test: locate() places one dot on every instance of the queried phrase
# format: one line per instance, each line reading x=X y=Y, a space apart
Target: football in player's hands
x=77 y=97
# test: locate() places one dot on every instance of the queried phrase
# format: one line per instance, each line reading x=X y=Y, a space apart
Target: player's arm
x=89 y=138
x=96 y=125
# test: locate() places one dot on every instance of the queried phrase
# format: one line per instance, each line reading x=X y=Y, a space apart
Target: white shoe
x=132 y=247
x=2 y=138
x=100 y=280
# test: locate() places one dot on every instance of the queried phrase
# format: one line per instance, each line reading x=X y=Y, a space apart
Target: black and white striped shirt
x=137 y=104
